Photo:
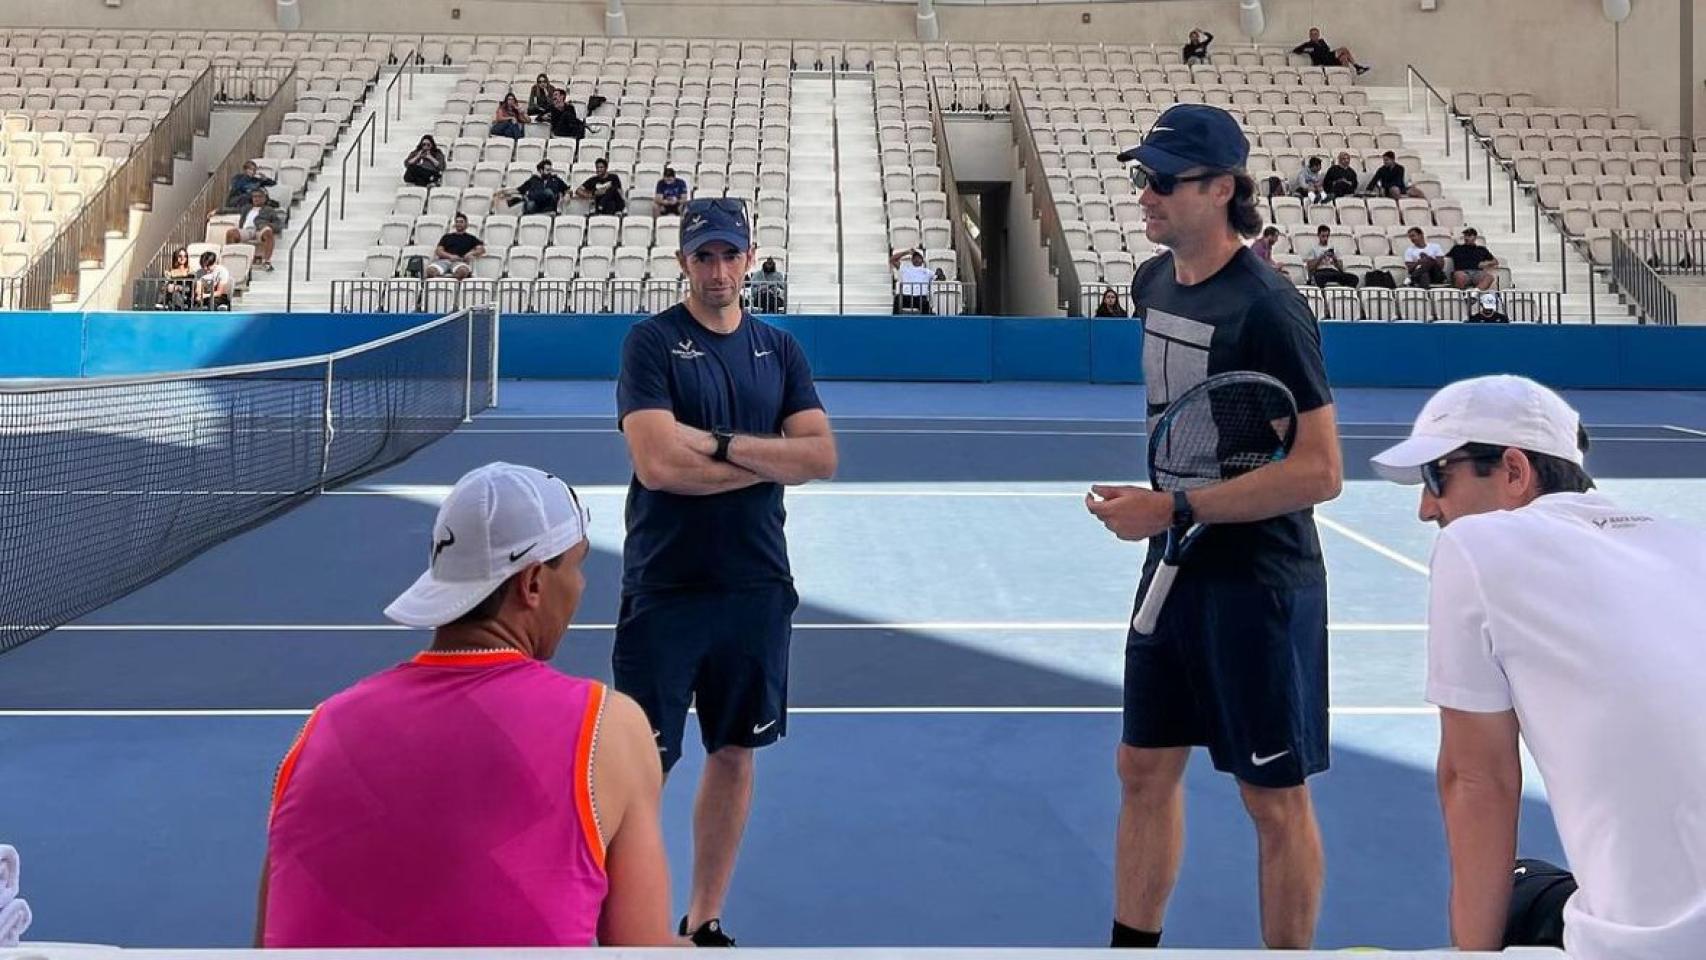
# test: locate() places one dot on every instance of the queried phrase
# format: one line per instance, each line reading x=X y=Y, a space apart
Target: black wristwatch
x=1183 y=515
x=723 y=438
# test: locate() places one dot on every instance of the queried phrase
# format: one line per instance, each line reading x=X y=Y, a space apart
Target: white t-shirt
x=1412 y=253
x=1589 y=620
x=215 y=277
x=915 y=281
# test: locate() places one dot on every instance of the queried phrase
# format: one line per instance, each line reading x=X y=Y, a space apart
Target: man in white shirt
x=212 y=284
x=260 y=225
x=1424 y=261
x=913 y=279
x=1556 y=615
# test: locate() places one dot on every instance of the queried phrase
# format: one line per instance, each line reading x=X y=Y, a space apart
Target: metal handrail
x=1410 y=77
x=1635 y=276
x=354 y=151
x=966 y=254
x=1042 y=201
x=307 y=231
x=840 y=213
x=409 y=66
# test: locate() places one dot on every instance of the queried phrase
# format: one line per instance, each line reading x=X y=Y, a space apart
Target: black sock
x=1126 y=937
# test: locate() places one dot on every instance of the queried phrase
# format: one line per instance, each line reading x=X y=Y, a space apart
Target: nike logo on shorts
x=761 y=727
x=1264 y=761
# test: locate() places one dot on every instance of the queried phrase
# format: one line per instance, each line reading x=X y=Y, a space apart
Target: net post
x=326 y=425
x=496 y=329
x=468 y=377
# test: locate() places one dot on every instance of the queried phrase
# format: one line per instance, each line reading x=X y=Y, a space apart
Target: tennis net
x=108 y=483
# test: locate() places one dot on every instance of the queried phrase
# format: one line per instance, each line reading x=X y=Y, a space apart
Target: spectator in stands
x=261 y=225
x=243 y=184
x=510 y=120
x=1263 y=246
x=1423 y=260
x=912 y=281
x=541 y=193
x=564 y=121
x=670 y=195
x=1487 y=310
x=1390 y=180
x=1324 y=264
x=501 y=802
x=1110 y=305
x=176 y=291
x=1322 y=55
x=1472 y=265
x=539 y=98
x=425 y=165
x=456 y=251
x=1341 y=178
x=604 y=189
x=1307 y=185
x=1196 y=51
x=767 y=288
x=212 y=284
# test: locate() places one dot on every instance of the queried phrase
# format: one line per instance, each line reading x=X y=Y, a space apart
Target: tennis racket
x=1224 y=427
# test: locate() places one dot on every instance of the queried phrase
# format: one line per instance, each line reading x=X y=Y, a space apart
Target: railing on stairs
x=1634 y=256
x=968 y=254
x=1042 y=203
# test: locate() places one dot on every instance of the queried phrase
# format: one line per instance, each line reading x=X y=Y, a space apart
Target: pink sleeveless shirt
x=444 y=802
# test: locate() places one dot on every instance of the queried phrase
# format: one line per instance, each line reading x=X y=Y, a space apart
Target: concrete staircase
x=814 y=277
x=1514 y=248
x=867 y=285
x=837 y=245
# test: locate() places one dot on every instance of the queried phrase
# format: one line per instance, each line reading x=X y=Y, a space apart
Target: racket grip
x=1149 y=611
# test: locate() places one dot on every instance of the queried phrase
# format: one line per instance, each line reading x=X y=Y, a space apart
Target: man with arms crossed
x=1238 y=660
x=1558 y=617
x=720 y=412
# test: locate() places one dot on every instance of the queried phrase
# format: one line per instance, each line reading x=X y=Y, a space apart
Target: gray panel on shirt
x=1175 y=357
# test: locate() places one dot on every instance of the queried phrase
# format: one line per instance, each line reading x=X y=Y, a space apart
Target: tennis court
x=948 y=776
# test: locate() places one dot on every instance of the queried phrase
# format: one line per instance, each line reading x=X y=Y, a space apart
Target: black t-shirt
x=549 y=183
x=458 y=244
x=1387 y=177
x=1494 y=317
x=565 y=122
x=1318 y=52
x=1246 y=317
x=611 y=200
x=748 y=381
x=1198 y=49
x=1337 y=173
x=1469 y=256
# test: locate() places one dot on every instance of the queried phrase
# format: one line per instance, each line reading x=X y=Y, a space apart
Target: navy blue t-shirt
x=1245 y=317
x=748 y=381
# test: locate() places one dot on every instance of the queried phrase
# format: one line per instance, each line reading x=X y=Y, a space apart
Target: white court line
x=211 y=713
x=1690 y=431
x=993 y=626
x=1371 y=544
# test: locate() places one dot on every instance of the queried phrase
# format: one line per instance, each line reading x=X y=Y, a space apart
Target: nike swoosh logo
x=1264 y=761
x=1521 y=870
x=760 y=728
x=762 y=353
x=1160 y=129
x=522 y=552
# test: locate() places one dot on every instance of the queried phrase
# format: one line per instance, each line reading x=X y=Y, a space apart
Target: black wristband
x=1183 y=515
x=724 y=437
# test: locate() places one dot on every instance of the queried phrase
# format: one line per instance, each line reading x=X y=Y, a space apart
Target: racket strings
x=1220 y=433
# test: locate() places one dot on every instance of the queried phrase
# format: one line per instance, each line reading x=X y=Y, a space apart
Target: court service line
x=975 y=432
x=1376 y=546
x=993 y=626
x=217 y=712
x=1690 y=431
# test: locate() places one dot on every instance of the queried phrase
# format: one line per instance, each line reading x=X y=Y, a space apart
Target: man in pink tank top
x=474 y=796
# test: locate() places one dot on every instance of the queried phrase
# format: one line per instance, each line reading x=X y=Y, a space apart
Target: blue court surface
x=948 y=777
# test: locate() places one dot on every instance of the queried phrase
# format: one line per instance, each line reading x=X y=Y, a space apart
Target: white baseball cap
x=1490 y=301
x=1502 y=410
x=496 y=521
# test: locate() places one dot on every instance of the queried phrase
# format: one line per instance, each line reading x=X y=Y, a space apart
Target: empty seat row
x=1553 y=189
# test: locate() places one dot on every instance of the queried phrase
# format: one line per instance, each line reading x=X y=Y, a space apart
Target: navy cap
x=1192 y=135
x=711 y=219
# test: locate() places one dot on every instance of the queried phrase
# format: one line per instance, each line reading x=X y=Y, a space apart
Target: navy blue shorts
x=725 y=652
x=1239 y=667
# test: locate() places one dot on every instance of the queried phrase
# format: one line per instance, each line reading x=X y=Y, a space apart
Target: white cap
x=497 y=520
x=1504 y=411
x=1490 y=301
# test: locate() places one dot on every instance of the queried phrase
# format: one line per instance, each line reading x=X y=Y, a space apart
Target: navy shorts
x=1240 y=668
x=724 y=651
x=1539 y=891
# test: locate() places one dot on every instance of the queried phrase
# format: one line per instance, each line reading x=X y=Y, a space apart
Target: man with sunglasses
x=1238 y=661
x=720 y=412
x=1561 y=619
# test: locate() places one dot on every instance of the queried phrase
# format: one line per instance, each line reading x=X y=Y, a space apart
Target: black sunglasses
x=1165 y=183
x=1433 y=474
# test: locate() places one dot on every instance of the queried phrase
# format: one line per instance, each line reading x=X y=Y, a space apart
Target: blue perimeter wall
x=870 y=348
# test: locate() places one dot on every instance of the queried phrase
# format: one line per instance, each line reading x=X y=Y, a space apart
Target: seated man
x=604 y=189
x=1196 y=51
x=1423 y=261
x=768 y=288
x=474 y=794
x=1263 y=246
x=541 y=193
x=1390 y=180
x=1341 y=178
x=671 y=194
x=456 y=251
x=912 y=281
x=1487 y=311
x=242 y=185
x=1323 y=262
x=1307 y=184
x=1472 y=265
x=1322 y=55
x=212 y=290
x=561 y=115
x=261 y=225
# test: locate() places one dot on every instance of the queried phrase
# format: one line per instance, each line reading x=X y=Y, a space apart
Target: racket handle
x=1150 y=610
